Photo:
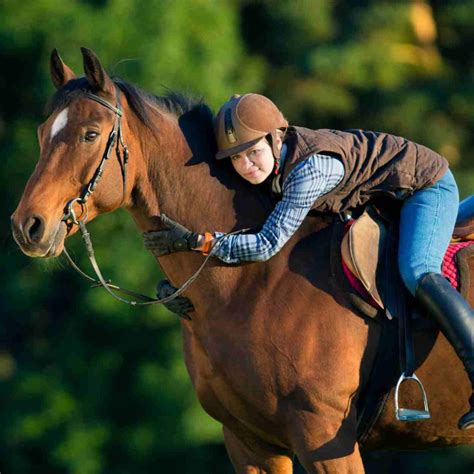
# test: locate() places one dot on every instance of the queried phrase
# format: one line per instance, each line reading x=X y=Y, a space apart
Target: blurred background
x=90 y=386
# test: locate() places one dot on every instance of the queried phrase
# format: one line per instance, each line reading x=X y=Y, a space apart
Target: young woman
x=334 y=171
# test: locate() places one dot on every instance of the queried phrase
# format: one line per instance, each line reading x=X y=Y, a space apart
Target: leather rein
x=115 y=138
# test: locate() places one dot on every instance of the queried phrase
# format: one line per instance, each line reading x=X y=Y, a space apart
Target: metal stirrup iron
x=410 y=414
x=408 y=364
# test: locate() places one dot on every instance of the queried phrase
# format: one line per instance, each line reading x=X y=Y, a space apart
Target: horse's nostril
x=34 y=228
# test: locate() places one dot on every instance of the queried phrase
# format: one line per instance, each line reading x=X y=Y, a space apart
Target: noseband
x=115 y=138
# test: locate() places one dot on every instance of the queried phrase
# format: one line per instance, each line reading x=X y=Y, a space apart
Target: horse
x=274 y=350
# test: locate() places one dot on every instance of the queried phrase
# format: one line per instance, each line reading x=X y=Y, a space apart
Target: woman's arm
x=313 y=178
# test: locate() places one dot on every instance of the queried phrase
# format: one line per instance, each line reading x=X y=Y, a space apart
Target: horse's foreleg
x=325 y=446
x=348 y=464
x=253 y=457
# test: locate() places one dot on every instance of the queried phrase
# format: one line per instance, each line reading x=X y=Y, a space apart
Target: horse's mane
x=173 y=102
x=196 y=122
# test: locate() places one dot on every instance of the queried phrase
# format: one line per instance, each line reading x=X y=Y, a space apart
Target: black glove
x=180 y=305
x=177 y=239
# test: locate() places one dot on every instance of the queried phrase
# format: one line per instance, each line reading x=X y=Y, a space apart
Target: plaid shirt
x=309 y=180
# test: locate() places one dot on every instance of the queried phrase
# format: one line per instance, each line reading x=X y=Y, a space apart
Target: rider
x=334 y=171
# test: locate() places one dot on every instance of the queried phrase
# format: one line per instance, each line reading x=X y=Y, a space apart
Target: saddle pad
x=449 y=270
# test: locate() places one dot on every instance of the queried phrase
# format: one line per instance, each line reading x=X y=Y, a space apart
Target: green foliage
x=88 y=386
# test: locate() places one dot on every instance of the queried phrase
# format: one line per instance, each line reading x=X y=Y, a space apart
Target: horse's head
x=73 y=141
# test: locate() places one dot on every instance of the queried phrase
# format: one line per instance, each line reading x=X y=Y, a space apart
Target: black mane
x=174 y=102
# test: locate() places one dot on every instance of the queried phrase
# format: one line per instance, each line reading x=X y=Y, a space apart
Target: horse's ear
x=98 y=79
x=60 y=73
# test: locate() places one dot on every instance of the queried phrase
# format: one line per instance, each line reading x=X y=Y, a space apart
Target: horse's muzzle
x=32 y=236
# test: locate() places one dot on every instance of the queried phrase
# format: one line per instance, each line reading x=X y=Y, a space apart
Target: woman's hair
x=281 y=133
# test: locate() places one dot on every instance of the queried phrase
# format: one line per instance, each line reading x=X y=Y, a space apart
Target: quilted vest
x=375 y=164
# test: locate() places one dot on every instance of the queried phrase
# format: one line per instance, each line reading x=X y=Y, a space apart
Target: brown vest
x=375 y=164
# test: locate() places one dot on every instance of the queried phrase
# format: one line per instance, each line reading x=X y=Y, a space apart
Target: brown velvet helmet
x=244 y=120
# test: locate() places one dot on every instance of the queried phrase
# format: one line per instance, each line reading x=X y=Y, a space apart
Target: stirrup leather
x=409 y=414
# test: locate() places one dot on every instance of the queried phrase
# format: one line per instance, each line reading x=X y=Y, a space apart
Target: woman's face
x=256 y=163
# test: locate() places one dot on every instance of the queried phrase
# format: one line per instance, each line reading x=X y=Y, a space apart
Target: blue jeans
x=426 y=225
x=466 y=208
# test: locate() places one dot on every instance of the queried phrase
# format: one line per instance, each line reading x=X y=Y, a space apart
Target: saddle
x=364 y=257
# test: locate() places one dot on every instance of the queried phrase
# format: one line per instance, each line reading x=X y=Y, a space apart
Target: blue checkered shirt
x=310 y=179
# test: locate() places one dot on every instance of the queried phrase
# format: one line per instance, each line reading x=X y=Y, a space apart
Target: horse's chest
x=230 y=379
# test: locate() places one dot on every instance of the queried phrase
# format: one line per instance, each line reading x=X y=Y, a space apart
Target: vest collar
x=280 y=161
x=276 y=180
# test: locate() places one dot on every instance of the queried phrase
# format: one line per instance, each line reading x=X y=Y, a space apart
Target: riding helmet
x=244 y=120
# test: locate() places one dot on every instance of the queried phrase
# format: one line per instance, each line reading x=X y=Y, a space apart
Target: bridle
x=115 y=138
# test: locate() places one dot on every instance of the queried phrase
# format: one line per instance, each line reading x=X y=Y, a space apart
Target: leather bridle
x=115 y=138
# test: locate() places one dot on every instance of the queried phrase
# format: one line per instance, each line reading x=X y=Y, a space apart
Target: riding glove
x=177 y=239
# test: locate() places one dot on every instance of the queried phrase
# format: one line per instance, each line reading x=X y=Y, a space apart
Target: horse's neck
x=166 y=181
x=202 y=197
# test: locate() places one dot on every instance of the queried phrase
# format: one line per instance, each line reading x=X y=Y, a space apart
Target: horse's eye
x=90 y=136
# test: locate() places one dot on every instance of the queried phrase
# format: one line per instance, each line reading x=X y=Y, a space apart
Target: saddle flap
x=363 y=251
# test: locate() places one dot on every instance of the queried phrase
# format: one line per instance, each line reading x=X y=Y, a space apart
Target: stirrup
x=408 y=414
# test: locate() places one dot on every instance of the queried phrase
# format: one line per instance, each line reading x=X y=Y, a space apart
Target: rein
x=107 y=285
x=115 y=138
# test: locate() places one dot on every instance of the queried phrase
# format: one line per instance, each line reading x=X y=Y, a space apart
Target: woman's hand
x=177 y=239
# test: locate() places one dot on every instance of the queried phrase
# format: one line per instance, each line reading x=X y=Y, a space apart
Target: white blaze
x=59 y=123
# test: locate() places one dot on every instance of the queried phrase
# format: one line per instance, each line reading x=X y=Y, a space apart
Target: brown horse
x=274 y=350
